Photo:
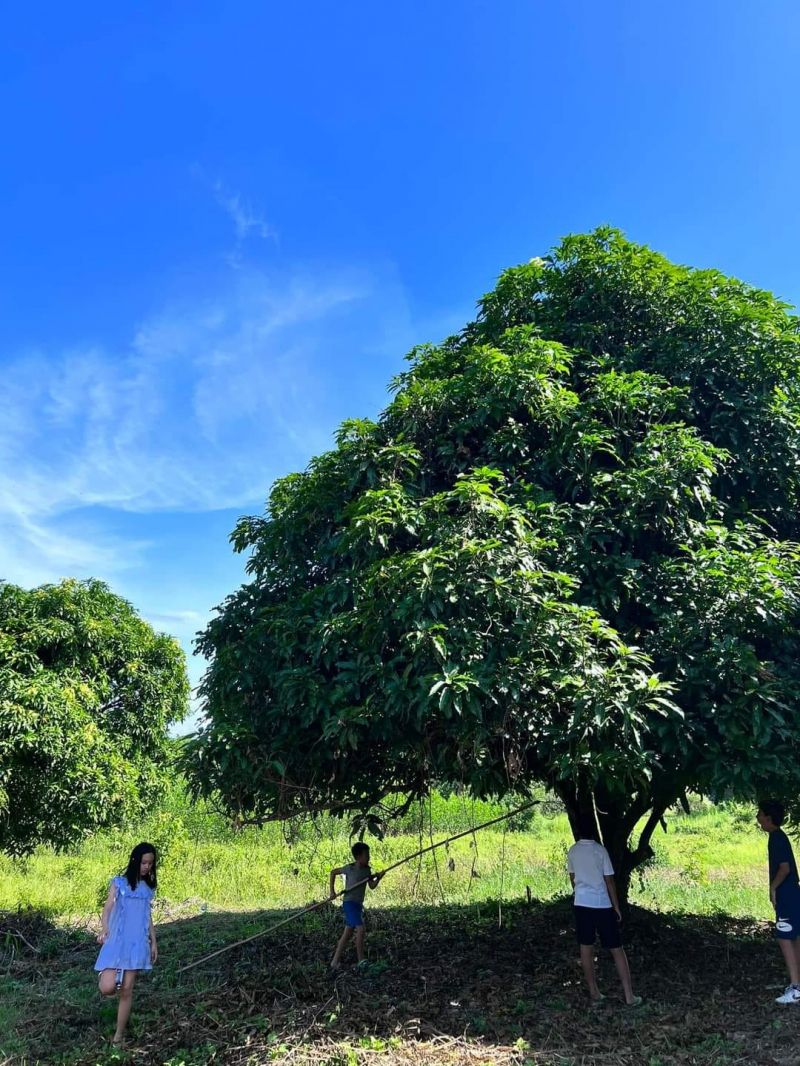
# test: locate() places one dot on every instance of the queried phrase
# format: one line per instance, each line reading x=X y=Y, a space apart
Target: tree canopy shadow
x=452 y=978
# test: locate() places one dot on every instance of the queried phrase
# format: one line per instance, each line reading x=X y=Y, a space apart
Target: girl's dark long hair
x=135 y=862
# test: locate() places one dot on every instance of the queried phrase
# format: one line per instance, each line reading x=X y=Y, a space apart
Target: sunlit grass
x=712 y=860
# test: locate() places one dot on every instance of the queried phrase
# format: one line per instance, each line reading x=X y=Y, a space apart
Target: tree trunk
x=616 y=833
x=622 y=859
x=617 y=820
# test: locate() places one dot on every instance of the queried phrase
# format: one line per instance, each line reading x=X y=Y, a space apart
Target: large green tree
x=87 y=693
x=563 y=554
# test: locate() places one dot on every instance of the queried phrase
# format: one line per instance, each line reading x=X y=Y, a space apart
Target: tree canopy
x=565 y=553
x=87 y=693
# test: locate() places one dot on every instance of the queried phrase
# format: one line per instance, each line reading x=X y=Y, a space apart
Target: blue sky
x=223 y=225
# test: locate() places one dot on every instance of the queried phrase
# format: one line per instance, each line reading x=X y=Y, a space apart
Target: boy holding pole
x=357 y=875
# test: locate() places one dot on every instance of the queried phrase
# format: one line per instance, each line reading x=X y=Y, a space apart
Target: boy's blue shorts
x=353 y=913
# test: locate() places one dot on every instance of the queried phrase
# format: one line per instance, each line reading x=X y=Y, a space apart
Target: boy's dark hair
x=774 y=810
x=359 y=848
x=587 y=826
x=135 y=862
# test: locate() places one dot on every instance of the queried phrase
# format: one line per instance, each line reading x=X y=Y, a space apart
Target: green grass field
x=710 y=861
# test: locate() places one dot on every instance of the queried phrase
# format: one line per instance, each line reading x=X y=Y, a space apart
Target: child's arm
x=153 y=944
x=783 y=872
x=572 y=880
x=108 y=907
x=375 y=880
x=334 y=874
x=611 y=885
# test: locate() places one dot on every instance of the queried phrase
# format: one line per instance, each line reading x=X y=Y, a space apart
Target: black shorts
x=787 y=921
x=591 y=921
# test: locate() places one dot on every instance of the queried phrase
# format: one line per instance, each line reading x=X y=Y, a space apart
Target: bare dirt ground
x=444 y=985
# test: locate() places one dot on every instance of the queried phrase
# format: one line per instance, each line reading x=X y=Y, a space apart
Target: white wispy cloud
x=34 y=550
x=194 y=618
x=208 y=403
x=247 y=222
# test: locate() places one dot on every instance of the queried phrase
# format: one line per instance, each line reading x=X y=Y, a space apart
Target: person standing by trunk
x=596 y=908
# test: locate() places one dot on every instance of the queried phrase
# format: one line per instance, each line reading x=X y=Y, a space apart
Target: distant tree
x=565 y=553
x=87 y=693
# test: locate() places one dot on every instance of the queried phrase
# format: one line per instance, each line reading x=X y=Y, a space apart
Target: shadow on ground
x=445 y=985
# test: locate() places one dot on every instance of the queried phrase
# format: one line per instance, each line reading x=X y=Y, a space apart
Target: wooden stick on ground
x=341 y=892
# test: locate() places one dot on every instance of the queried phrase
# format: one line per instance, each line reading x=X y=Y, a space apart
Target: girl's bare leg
x=107 y=982
x=125 y=1004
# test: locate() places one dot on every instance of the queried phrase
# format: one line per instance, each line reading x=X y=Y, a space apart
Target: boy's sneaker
x=791 y=995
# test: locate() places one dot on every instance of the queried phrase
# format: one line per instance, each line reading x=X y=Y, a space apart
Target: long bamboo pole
x=341 y=892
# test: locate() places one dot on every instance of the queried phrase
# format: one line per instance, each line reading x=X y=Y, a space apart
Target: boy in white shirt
x=597 y=907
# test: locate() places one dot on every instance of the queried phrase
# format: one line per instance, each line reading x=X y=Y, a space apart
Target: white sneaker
x=791 y=995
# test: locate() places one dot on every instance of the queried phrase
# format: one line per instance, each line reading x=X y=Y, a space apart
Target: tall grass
x=711 y=860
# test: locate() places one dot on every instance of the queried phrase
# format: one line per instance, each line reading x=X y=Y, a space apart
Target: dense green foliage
x=564 y=553
x=87 y=693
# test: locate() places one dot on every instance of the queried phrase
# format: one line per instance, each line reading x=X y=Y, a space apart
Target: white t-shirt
x=590 y=863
